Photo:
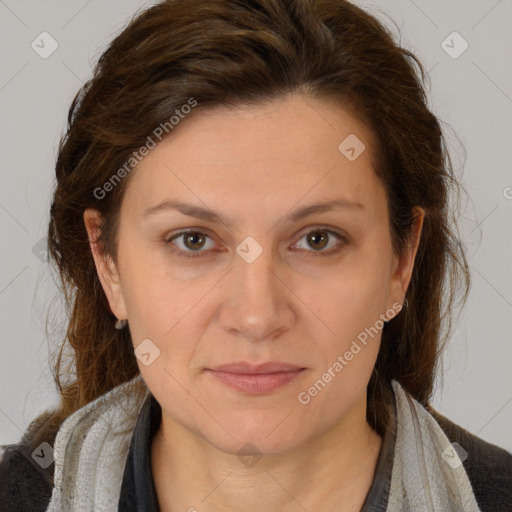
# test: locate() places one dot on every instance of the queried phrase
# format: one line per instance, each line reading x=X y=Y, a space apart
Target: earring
x=120 y=324
x=405 y=305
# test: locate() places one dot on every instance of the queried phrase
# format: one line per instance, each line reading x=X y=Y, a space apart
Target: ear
x=403 y=266
x=107 y=270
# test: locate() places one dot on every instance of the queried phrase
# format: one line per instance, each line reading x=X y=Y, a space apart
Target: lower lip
x=256 y=383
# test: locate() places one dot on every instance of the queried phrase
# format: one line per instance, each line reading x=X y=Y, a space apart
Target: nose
x=259 y=303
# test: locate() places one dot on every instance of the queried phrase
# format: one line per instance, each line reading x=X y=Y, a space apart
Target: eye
x=192 y=241
x=318 y=239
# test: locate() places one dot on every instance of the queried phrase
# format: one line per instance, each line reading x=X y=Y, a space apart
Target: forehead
x=272 y=155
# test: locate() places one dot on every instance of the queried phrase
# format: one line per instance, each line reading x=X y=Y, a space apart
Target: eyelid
x=319 y=227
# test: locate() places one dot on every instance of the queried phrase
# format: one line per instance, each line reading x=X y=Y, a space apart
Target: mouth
x=256 y=379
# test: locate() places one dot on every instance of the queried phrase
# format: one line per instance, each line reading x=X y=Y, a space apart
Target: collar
x=138 y=493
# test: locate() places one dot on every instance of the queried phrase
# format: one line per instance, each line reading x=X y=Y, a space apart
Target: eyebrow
x=210 y=215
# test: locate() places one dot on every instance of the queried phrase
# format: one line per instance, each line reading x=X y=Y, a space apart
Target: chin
x=255 y=445
x=256 y=436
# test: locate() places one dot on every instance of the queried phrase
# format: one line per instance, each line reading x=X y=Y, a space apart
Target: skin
x=255 y=166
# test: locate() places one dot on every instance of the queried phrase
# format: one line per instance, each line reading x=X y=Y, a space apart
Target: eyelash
x=196 y=254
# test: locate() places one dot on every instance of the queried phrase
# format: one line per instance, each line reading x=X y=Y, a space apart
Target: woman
x=251 y=224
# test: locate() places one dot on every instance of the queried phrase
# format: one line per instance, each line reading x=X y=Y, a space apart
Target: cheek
x=353 y=294
x=350 y=303
x=153 y=295
x=348 y=355
x=160 y=308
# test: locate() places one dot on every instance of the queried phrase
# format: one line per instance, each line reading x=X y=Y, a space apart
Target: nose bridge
x=257 y=304
x=255 y=281
x=253 y=269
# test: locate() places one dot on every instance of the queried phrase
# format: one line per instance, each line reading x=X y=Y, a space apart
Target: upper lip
x=267 y=367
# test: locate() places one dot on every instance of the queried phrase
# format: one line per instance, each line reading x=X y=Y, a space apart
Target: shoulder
x=488 y=466
x=24 y=484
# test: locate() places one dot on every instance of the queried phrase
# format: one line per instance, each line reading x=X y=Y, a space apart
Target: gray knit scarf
x=92 y=445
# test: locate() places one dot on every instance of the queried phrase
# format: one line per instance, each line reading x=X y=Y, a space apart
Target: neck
x=333 y=471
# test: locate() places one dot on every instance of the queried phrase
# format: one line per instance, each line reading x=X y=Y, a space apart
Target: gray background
x=471 y=94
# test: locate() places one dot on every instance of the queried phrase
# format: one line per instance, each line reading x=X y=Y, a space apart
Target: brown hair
x=246 y=52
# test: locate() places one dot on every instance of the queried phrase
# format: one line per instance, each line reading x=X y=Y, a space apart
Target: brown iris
x=193 y=238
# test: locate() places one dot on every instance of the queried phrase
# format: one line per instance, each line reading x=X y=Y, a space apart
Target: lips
x=256 y=379
x=248 y=368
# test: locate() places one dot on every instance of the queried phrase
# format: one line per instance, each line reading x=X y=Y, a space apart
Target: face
x=248 y=272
